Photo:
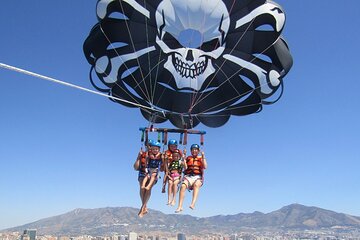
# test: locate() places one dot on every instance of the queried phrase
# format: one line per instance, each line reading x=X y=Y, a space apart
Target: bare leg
x=143 y=209
x=196 y=189
x=144 y=182
x=170 y=191
x=174 y=191
x=142 y=192
x=164 y=183
x=181 y=197
x=147 y=197
x=151 y=182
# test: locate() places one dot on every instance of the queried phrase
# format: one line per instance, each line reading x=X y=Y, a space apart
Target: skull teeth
x=189 y=70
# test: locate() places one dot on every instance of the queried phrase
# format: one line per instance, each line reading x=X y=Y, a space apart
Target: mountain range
x=110 y=220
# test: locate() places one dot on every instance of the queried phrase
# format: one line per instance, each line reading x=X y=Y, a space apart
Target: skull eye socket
x=210 y=45
x=171 y=42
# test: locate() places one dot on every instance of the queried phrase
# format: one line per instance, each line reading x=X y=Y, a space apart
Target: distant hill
x=106 y=221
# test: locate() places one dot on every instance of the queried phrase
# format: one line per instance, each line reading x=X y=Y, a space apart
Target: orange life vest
x=194 y=165
x=168 y=155
x=142 y=166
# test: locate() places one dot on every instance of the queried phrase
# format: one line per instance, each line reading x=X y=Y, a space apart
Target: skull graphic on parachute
x=190 y=34
x=189 y=61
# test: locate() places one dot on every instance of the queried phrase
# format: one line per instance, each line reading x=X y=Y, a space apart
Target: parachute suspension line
x=195 y=93
x=155 y=81
x=148 y=55
x=157 y=74
x=236 y=73
x=193 y=98
x=150 y=99
x=109 y=91
x=263 y=102
x=152 y=84
x=134 y=49
x=156 y=77
x=240 y=95
x=19 y=70
x=107 y=38
x=213 y=78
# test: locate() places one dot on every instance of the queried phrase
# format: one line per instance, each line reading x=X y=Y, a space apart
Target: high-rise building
x=181 y=236
x=132 y=236
x=31 y=233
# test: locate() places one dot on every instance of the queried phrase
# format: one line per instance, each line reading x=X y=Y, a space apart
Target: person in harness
x=172 y=146
x=153 y=161
x=140 y=166
x=194 y=166
x=174 y=169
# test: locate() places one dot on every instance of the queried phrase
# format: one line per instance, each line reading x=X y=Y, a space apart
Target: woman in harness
x=174 y=170
x=193 y=176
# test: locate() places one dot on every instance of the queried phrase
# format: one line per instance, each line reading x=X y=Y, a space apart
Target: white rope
x=15 y=69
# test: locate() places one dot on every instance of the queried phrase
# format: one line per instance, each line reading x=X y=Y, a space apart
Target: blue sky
x=61 y=148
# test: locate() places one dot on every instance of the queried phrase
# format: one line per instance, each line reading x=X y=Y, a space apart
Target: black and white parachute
x=189 y=61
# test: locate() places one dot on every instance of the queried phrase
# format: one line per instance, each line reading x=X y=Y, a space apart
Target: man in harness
x=194 y=166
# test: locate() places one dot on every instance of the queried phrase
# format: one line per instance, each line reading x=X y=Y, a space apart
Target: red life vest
x=194 y=165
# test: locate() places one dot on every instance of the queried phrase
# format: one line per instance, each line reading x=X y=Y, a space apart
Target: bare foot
x=141 y=214
x=173 y=203
x=144 y=212
x=147 y=188
x=178 y=210
x=192 y=206
x=163 y=189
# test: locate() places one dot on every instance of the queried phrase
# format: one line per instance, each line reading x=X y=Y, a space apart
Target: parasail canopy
x=189 y=61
